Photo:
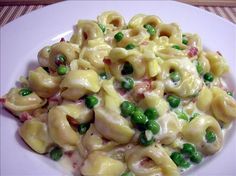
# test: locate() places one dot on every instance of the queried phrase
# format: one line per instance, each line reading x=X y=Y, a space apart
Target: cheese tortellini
x=196 y=130
x=152 y=160
x=77 y=83
x=138 y=97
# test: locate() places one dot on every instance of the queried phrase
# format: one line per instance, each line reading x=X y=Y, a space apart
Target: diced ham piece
x=107 y=61
x=2 y=100
x=144 y=43
x=62 y=40
x=193 y=51
x=218 y=53
x=121 y=91
x=141 y=88
x=25 y=116
x=55 y=98
x=72 y=121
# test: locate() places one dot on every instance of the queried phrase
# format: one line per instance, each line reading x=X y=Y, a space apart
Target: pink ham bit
x=25 y=116
x=193 y=51
x=2 y=100
x=107 y=61
x=121 y=91
x=55 y=98
x=62 y=40
x=218 y=53
x=145 y=43
x=145 y=162
x=142 y=87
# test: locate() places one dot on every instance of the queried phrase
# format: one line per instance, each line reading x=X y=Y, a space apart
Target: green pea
x=127 y=108
x=83 y=127
x=127 y=174
x=146 y=139
x=151 y=113
x=127 y=69
x=62 y=70
x=25 y=91
x=91 y=101
x=199 y=68
x=196 y=157
x=188 y=149
x=179 y=160
x=174 y=76
x=130 y=46
x=56 y=153
x=137 y=117
x=210 y=136
x=102 y=27
x=185 y=164
x=119 y=36
x=103 y=75
x=153 y=126
x=194 y=115
x=60 y=59
x=208 y=77
x=176 y=47
x=230 y=93
x=181 y=115
x=127 y=83
x=185 y=41
x=173 y=101
x=150 y=29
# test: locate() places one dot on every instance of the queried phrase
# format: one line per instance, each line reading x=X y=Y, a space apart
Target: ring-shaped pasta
x=67 y=50
x=189 y=84
x=119 y=56
x=155 y=101
x=135 y=36
x=94 y=53
x=172 y=31
x=60 y=130
x=195 y=132
x=86 y=30
x=35 y=134
x=113 y=126
x=140 y=20
x=217 y=63
x=43 y=56
x=170 y=128
x=17 y=103
x=204 y=99
x=93 y=140
x=149 y=161
x=99 y=164
x=223 y=106
x=42 y=83
x=111 y=20
x=77 y=83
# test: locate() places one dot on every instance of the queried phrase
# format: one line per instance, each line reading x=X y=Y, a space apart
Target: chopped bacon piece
x=2 y=100
x=72 y=121
x=25 y=116
x=55 y=98
x=193 y=51
x=146 y=162
x=85 y=36
x=121 y=91
x=69 y=153
x=145 y=43
x=107 y=61
x=62 y=40
x=141 y=88
x=218 y=53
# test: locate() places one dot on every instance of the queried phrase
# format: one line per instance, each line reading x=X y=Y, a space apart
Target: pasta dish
x=140 y=98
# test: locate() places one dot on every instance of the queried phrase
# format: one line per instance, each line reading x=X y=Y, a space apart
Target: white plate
x=22 y=38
